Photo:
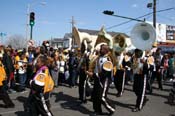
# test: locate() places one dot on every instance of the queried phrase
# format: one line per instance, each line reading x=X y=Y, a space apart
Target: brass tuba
x=83 y=38
x=103 y=38
x=119 y=43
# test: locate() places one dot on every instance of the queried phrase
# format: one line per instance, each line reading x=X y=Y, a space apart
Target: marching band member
x=82 y=68
x=140 y=70
x=119 y=77
x=102 y=74
x=127 y=65
x=41 y=87
x=151 y=65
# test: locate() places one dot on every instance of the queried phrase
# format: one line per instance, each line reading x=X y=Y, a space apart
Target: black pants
x=100 y=94
x=105 y=82
x=119 y=81
x=148 y=82
x=139 y=88
x=5 y=98
x=82 y=79
x=158 y=76
x=96 y=95
x=39 y=105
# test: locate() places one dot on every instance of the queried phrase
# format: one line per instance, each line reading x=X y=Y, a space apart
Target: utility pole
x=72 y=24
x=154 y=13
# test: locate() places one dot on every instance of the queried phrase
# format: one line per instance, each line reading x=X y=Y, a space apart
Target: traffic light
x=108 y=12
x=32 y=19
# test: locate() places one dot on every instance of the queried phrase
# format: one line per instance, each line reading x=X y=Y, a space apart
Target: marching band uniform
x=82 y=77
x=127 y=65
x=119 y=77
x=102 y=78
x=41 y=86
x=140 y=70
x=150 y=60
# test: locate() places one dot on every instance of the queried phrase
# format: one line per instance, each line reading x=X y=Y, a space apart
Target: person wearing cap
x=101 y=70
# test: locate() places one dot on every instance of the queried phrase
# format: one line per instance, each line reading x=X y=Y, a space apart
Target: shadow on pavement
x=129 y=106
x=22 y=99
x=71 y=103
x=22 y=113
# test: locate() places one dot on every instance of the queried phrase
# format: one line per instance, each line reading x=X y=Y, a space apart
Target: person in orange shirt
x=3 y=93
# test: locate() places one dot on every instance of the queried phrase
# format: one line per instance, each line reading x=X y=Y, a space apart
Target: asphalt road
x=65 y=102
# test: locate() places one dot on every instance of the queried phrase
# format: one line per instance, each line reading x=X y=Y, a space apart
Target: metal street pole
x=73 y=24
x=28 y=16
x=154 y=14
x=31 y=32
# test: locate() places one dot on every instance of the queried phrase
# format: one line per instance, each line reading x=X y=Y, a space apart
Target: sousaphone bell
x=143 y=35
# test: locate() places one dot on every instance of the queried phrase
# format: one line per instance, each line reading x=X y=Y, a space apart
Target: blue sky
x=53 y=19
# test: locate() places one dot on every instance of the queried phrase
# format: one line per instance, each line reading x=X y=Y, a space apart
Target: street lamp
x=29 y=7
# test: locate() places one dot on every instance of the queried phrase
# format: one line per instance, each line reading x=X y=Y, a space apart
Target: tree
x=17 y=41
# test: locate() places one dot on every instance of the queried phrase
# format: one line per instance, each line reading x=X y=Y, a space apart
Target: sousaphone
x=143 y=35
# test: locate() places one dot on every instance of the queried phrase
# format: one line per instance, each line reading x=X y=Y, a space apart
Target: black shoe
x=111 y=113
x=118 y=95
x=135 y=110
x=83 y=101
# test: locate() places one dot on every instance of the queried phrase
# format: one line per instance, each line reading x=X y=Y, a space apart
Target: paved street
x=65 y=102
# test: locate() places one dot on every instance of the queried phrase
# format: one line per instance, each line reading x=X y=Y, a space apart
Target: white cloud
x=134 y=5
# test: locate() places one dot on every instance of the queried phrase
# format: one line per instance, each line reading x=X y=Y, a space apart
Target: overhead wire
x=127 y=29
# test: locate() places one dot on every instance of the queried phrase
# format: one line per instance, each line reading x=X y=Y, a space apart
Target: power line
x=140 y=17
x=127 y=29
